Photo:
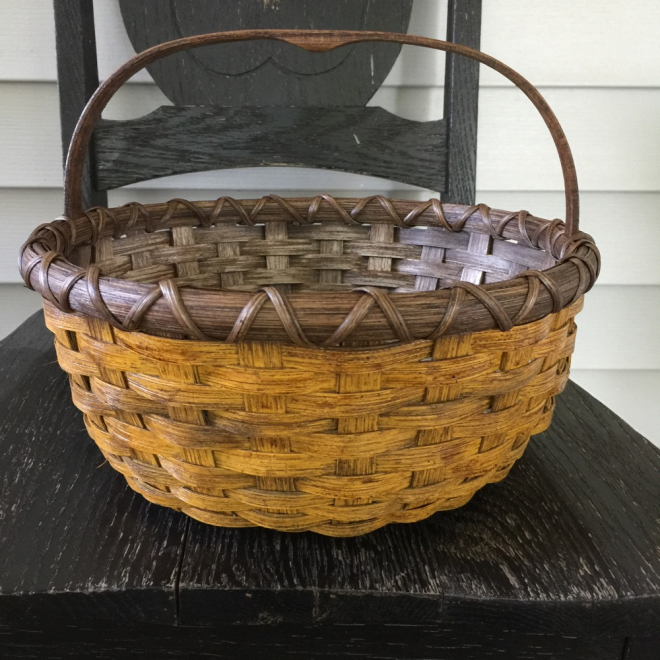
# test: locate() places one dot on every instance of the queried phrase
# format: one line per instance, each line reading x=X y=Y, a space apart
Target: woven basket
x=310 y=364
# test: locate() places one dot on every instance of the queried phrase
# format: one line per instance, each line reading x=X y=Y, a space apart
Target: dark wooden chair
x=251 y=104
x=560 y=560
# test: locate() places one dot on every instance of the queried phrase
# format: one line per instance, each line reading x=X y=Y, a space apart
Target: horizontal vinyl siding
x=631 y=394
x=564 y=42
x=17 y=303
x=618 y=329
x=598 y=71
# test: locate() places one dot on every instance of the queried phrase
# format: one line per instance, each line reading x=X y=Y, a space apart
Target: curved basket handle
x=311 y=40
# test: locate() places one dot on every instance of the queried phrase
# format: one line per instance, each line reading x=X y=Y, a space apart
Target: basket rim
x=327 y=318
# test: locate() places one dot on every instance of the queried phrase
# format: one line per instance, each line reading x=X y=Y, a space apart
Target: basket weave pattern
x=298 y=439
x=311 y=363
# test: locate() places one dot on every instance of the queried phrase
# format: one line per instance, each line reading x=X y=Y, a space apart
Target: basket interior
x=328 y=255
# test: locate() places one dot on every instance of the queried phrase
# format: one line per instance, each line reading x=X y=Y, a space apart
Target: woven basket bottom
x=295 y=439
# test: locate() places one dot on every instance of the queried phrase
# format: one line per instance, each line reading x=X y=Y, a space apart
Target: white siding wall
x=591 y=61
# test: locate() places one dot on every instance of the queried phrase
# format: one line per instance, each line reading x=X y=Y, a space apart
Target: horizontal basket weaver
x=311 y=364
x=300 y=438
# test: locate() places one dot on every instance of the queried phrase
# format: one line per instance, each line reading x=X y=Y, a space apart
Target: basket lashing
x=107 y=232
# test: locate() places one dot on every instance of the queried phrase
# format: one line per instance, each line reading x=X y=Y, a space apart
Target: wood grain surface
x=175 y=140
x=563 y=553
x=261 y=73
x=78 y=77
x=74 y=542
x=277 y=642
x=462 y=102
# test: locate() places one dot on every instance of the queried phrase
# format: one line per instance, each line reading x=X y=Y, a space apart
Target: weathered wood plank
x=361 y=140
x=462 y=102
x=642 y=648
x=272 y=642
x=75 y=543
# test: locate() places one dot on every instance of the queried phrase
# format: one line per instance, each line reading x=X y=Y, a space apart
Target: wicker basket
x=311 y=364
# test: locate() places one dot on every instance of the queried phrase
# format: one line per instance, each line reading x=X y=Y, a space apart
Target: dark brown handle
x=311 y=40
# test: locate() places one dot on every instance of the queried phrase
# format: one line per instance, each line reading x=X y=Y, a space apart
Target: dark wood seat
x=560 y=560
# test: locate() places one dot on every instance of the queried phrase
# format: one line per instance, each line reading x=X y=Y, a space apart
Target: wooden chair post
x=78 y=77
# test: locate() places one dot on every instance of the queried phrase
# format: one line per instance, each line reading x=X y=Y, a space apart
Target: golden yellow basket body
x=297 y=438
